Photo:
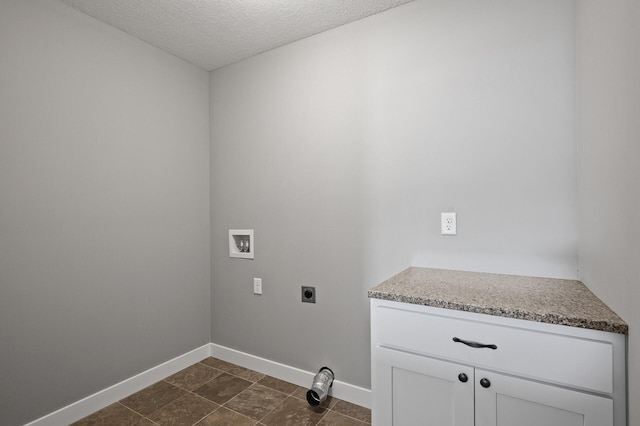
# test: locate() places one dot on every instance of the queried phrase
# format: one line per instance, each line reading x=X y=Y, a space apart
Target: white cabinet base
x=538 y=375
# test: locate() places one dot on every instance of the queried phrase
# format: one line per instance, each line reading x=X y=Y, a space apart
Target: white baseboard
x=108 y=396
x=341 y=390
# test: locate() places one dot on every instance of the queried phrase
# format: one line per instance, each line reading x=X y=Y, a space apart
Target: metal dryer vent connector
x=320 y=387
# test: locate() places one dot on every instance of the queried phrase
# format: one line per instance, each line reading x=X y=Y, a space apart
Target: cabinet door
x=413 y=390
x=509 y=401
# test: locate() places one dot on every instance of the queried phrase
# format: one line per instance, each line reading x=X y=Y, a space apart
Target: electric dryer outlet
x=308 y=294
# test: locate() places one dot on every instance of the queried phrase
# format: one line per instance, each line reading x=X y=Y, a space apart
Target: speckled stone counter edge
x=397 y=289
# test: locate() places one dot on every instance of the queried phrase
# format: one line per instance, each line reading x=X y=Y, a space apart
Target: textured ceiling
x=214 y=33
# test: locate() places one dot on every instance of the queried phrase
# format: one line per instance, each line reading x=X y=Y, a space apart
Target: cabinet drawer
x=553 y=357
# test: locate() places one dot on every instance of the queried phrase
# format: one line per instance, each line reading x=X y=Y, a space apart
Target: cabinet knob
x=463 y=377
x=485 y=383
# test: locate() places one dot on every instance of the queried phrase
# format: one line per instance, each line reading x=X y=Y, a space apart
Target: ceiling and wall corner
x=214 y=33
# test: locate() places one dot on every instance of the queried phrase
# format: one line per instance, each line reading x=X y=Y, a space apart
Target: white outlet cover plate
x=257 y=286
x=448 y=224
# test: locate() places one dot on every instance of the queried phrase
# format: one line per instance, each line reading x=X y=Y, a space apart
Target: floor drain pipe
x=320 y=387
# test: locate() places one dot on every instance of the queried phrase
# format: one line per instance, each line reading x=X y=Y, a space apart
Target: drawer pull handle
x=485 y=383
x=463 y=377
x=474 y=344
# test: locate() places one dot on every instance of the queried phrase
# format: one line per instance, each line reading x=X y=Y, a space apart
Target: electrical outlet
x=257 y=286
x=448 y=224
x=309 y=294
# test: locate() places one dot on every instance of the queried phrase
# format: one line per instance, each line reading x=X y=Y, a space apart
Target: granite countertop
x=554 y=301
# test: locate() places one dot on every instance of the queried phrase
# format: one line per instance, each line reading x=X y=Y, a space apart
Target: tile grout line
x=247 y=375
x=219 y=406
x=258 y=421
x=251 y=418
x=134 y=411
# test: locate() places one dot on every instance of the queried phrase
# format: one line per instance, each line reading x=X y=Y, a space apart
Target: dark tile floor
x=215 y=392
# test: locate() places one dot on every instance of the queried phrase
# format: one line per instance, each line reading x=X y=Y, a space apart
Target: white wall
x=104 y=207
x=341 y=150
x=609 y=150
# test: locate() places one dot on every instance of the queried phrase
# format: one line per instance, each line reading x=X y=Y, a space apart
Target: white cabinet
x=416 y=390
x=533 y=373
x=513 y=401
